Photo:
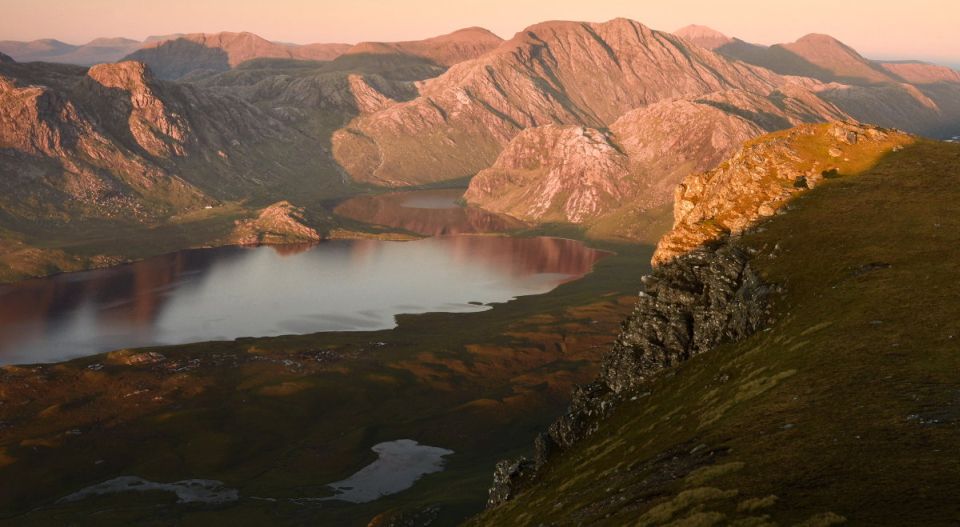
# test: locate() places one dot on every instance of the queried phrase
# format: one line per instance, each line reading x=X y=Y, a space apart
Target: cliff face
x=689 y=306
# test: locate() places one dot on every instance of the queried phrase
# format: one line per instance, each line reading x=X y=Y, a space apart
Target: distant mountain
x=918 y=97
x=204 y=53
x=703 y=36
x=172 y=59
x=821 y=57
x=48 y=50
x=6 y=59
x=916 y=72
x=445 y=50
x=567 y=73
x=841 y=62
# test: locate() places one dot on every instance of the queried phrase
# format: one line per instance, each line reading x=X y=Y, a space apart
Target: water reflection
x=233 y=292
x=432 y=213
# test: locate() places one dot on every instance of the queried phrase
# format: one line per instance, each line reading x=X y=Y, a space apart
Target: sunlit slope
x=847 y=407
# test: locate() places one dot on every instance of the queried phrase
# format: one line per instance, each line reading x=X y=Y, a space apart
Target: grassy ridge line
x=847 y=409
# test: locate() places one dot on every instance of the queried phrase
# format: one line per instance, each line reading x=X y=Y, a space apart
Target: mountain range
x=586 y=123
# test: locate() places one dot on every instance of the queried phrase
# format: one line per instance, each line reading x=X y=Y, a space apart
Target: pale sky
x=923 y=29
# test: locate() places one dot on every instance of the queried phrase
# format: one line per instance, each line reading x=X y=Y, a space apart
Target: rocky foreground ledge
x=703 y=291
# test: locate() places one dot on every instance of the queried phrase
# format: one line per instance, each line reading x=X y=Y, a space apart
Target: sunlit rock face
x=762 y=177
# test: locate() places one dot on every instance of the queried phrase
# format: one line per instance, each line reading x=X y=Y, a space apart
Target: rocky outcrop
x=156 y=128
x=555 y=173
x=280 y=223
x=688 y=306
x=576 y=174
x=760 y=179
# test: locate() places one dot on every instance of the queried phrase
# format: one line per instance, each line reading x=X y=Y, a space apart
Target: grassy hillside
x=846 y=409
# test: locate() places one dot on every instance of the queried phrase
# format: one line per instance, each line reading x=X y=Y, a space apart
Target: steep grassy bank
x=845 y=409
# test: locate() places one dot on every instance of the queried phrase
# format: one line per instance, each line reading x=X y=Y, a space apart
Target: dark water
x=233 y=292
x=429 y=212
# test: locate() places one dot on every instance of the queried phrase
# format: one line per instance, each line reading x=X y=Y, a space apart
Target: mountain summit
x=703 y=36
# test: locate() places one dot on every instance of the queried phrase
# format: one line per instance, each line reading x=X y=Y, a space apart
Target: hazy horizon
x=885 y=31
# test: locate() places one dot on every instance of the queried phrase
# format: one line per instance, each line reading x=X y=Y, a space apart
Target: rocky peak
x=127 y=76
x=37 y=120
x=837 y=58
x=763 y=175
x=703 y=36
x=155 y=126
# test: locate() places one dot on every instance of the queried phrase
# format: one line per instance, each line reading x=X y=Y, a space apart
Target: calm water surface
x=217 y=294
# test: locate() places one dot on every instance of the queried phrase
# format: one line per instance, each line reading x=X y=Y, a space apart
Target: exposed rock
x=156 y=128
x=366 y=97
x=279 y=223
x=115 y=143
x=703 y=291
x=552 y=73
x=760 y=178
x=558 y=173
x=689 y=305
x=576 y=174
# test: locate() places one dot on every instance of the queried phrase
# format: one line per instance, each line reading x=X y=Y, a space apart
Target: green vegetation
x=281 y=417
x=846 y=409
